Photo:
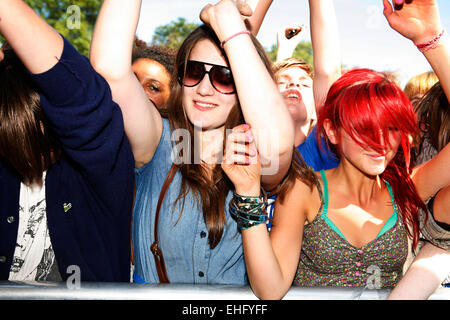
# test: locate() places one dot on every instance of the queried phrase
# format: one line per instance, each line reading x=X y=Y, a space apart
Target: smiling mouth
x=377 y=157
x=204 y=106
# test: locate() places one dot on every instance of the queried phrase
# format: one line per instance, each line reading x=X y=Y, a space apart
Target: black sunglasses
x=193 y=72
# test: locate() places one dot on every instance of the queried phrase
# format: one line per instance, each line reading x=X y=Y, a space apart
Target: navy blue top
x=93 y=179
x=316 y=157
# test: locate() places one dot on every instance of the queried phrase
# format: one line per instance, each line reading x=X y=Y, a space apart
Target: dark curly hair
x=163 y=55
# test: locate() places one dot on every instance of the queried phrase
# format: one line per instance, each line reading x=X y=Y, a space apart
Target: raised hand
x=417 y=20
x=225 y=17
x=241 y=161
x=244 y=8
x=288 y=38
x=260 y=8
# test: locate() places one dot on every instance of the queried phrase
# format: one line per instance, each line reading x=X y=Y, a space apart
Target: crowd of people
x=212 y=164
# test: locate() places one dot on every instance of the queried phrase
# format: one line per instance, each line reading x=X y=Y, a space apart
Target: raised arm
x=110 y=55
x=261 y=103
x=326 y=48
x=288 y=39
x=77 y=104
x=37 y=44
x=420 y=22
x=260 y=8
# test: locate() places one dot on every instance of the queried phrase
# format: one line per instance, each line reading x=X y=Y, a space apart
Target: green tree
x=302 y=51
x=173 y=33
x=75 y=20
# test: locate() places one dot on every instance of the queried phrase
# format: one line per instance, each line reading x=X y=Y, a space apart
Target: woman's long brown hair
x=26 y=141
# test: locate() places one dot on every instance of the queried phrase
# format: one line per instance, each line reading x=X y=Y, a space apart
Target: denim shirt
x=183 y=239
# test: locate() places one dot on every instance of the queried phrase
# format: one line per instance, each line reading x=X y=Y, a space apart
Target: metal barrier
x=127 y=291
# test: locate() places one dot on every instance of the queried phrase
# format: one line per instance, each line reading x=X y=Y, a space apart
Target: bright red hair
x=366 y=105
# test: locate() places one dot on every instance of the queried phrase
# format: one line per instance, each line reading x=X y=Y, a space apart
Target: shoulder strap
x=157 y=253
x=325 y=192
x=394 y=204
x=319 y=188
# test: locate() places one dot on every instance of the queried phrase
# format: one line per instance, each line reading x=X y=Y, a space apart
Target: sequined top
x=328 y=259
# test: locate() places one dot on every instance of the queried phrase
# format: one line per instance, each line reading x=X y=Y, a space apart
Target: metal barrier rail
x=126 y=291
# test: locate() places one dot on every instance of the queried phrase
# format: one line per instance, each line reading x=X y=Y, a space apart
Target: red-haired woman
x=352 y=227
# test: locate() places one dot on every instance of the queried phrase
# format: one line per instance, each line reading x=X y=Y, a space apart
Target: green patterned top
x=328 y=259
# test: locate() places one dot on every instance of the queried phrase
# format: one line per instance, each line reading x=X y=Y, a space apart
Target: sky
x=365 y=36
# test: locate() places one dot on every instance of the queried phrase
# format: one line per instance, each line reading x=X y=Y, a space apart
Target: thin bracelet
x=432 y=44
x=234 y=35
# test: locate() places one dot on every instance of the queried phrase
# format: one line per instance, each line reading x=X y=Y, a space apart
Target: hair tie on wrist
x=432 y=44
x=234 y=35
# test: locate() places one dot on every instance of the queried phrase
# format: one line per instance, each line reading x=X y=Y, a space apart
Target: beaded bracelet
x=432 y=44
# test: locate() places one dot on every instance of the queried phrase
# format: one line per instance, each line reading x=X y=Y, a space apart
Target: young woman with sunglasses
x=212 y=89
x=351 y=227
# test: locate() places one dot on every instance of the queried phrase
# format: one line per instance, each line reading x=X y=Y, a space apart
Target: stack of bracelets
x=249 y=211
